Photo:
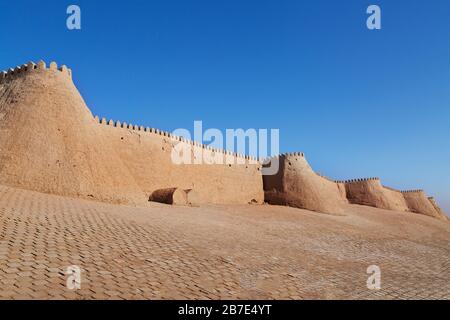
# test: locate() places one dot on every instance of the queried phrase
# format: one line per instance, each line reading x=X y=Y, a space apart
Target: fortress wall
x=49 y=144
x=90 y=158
x=438 y=208
x=147 y=153
x=342 y=191
x=370 y=192
x=25 y=69
x=418 y=202
x=340 y=186
x=396 y=199
x=297 y=185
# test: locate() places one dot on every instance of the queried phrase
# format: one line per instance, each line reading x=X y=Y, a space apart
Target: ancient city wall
x=25 y=69
x=340 y=185
x=297 y=185
x=147 y=153
x=370 y=192
x=50 y=142
x=438 y=209
x=418 y=202
x=396 y=199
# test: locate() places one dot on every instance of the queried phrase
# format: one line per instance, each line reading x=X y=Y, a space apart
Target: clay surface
x=297 y=185
x=50 y=142
x=438 y=209
x=418 y=202
x=370 y=192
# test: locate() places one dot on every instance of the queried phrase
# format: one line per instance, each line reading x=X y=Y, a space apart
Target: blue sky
x=359 y=103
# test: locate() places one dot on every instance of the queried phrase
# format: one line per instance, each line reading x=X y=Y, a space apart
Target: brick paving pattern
x=215 y=252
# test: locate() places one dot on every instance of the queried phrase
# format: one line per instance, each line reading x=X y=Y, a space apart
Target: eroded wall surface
x=396 y=199
x=418 y=202
x=370 y=192
x=297 y=185
x=50 y=142
x=438 y=209
x=148 y=156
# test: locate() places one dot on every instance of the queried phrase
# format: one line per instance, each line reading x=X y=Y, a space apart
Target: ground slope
x=216 y=252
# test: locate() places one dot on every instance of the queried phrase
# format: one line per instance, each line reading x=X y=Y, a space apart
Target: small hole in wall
x=121 y=138
x=229 y=165
x=290 y=163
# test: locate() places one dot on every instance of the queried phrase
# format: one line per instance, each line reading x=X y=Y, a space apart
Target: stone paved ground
x=215 y=252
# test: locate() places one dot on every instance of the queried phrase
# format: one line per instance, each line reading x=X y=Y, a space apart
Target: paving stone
x=215 y=252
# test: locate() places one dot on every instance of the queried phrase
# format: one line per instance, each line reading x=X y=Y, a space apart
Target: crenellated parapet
x=358 y=180
x=292 y=154
x=413 y=191
x=282 y=156
x=294 y=184
x=162 y=133
x=25 y=69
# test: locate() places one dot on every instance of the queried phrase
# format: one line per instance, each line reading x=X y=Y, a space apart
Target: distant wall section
x=370 y=192
x=418 y=202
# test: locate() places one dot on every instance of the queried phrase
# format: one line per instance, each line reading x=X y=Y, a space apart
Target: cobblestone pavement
x=215 y=252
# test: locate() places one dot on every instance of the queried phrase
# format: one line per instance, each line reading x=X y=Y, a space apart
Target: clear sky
x=359 y=103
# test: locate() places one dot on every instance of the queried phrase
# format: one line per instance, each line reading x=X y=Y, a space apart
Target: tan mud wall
x=370 y=192
x=50 y=142
x=297 y=185
x=418 y=202
x=396 y=199
x=438 y=209
x=147 y=155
